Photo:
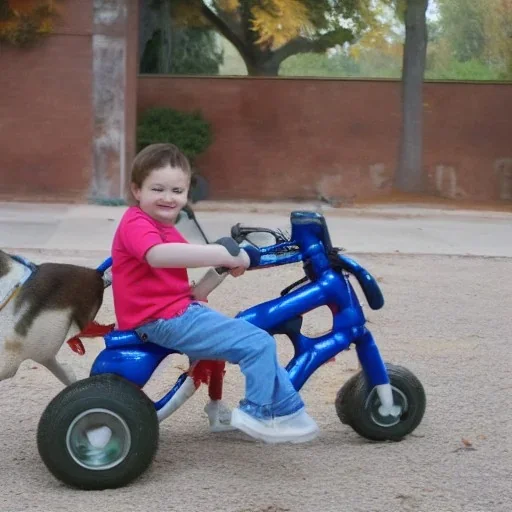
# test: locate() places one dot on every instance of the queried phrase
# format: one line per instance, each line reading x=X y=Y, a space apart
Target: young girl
x=152 y=295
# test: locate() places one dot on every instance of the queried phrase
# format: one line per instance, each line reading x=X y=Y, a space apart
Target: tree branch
x=297 y=45
x=229 y=19
x=304 y=45
x=226 y=27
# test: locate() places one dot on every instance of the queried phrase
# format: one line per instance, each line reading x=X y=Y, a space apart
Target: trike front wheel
x=358 y=406
x=98 y=433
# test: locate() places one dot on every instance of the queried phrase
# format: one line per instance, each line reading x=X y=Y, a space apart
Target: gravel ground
x=447 y=318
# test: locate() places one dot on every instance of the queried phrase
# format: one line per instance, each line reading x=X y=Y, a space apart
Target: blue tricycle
x=102 y=432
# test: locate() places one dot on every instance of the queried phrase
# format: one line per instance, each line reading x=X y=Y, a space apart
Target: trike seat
x=129 y=338
x=115 y=339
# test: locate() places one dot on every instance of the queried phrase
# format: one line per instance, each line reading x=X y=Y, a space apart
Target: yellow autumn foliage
x=279 y=21
x=26 y=20
x=498 y=34
x=376 y=37
x=275 y=22
x=228 y=5
x=24 y=6
x=188 y=13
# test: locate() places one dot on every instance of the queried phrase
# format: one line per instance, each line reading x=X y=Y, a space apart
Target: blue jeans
x=202 y=333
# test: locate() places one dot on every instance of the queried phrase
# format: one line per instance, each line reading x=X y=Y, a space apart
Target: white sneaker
x=219 y=416
x=298 y=427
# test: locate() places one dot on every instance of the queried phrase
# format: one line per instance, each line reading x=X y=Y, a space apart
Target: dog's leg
x=62 y=371
x=47 y=333
x=10 y=357
x=65 y=374
x=9 y=369
x=11 y=344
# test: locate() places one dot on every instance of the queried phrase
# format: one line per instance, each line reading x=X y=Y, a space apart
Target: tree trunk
x=409 y=174
x=147 y=24
x=155 y=37
x=264 y=68
x=259 y=62
x=164 y=57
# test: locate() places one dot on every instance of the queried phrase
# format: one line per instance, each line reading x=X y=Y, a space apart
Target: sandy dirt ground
x=447 y=318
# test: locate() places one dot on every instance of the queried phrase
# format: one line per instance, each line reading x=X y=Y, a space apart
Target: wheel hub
x=374 y=405
x=98 y=439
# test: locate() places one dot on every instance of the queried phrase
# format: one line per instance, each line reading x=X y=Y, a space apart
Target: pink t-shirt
x=143 y=293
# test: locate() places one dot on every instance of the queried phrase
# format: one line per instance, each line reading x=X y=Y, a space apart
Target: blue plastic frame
x=128 y=356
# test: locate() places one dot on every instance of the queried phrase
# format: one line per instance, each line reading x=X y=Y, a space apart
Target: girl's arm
x=179 y=255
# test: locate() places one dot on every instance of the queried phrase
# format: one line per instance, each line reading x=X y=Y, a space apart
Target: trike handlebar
x=309 y=242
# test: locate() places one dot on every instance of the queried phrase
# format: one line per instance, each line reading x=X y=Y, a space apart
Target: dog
x=42 y=307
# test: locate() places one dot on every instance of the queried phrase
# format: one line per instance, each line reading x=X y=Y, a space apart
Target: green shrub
x=187 y=130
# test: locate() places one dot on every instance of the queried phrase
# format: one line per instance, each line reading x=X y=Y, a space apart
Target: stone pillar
x=115 y=68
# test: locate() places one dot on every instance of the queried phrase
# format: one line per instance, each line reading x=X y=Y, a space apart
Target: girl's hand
x=237 y=271
x=242 y=261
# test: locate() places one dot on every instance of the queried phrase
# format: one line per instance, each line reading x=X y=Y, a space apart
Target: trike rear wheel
x=98 y=433
x=358 y=406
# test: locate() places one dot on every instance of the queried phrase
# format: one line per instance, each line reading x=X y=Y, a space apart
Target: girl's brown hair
x=156 y=156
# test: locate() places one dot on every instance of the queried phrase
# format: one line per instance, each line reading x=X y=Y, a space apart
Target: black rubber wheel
x=99 y=433
x=358 y=406
x=342 y=409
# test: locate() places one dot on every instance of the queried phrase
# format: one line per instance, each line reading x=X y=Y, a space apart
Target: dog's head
x=13 y=274
x=5 y=263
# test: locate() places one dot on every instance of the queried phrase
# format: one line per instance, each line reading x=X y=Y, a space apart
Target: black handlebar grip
x=236 y=233
x=230 y=244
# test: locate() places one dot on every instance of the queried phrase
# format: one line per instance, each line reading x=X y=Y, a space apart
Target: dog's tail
x=106 y=273
x=94 y=329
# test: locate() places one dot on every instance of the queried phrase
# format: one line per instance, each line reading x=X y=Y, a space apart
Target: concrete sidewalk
x=373 y=229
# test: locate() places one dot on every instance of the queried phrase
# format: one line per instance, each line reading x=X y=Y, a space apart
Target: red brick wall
x=274 y=138
x=296 y=138
x=46 y=123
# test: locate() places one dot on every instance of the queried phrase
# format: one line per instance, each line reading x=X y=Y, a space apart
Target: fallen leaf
x=467 y=445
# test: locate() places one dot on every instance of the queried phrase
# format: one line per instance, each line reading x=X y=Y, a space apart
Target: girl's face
x=163 y=194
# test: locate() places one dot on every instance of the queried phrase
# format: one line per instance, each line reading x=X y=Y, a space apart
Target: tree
x=378 y=51
x=462 y=24
x=196 y=51
x=266 y=32
x=497 y=22
x=383 y=33
x=167 y=48
x=192 y=51
x=155 y=36
x=23 y=22
x=474 y=46
x=409 y=173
